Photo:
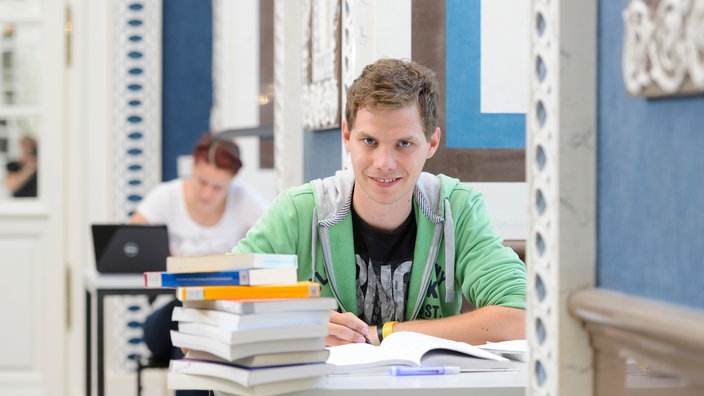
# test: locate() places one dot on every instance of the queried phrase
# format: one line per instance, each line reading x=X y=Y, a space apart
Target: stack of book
x=248 y=326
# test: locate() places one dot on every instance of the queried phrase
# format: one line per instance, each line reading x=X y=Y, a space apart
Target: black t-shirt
x=29 y=188
x=383 y=269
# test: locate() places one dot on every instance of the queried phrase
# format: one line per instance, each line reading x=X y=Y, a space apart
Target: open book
x=405 y=348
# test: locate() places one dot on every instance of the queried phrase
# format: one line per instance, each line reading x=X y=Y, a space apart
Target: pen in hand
x=398 y=371
x=345 y=328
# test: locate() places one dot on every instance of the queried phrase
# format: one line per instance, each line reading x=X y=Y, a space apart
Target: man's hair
x=389 y=84
x=222 y=153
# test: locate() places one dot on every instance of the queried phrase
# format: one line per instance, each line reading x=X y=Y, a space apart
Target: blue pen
x=403 y=370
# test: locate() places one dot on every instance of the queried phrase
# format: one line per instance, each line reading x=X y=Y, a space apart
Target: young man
x=395 y=246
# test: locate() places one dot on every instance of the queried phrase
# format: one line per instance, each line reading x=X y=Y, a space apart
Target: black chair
x=147 y=363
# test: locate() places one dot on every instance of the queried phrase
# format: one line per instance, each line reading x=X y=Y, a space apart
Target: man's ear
x=345 y=135
x=434 y=142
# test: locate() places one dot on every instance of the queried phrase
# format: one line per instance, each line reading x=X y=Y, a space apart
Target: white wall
x=236 y=84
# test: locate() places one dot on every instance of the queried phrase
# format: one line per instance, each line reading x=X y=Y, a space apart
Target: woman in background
x=205 y=213
x=21 y=176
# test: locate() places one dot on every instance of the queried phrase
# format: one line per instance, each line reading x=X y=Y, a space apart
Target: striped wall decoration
x=137 y=148
x=137 y=107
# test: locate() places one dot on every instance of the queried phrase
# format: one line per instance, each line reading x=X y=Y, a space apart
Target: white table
x=97 y=287
x=498 y=383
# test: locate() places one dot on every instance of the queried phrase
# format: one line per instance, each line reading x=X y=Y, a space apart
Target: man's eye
x=368 y=141
x=405 y=143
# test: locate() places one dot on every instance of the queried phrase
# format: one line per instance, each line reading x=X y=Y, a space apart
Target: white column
x=288 y=85
x=561 y=161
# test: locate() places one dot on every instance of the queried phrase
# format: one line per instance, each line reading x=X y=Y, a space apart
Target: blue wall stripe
x=466 y=126
x=650 y=186
x=187 y=78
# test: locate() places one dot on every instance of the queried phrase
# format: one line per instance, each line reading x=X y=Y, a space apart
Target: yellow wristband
x=387 y=329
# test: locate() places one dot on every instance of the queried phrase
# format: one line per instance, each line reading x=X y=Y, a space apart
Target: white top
x=166 y=204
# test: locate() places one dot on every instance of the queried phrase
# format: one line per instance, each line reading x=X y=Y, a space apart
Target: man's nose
x=385 y=158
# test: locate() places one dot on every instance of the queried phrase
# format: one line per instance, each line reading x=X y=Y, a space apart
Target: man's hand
x=346 y=328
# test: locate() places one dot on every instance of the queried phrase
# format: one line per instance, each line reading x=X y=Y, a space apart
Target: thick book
x=229 y=261
x=267 y=359
x=234 y=322
x=232 y=337
x=249 y=376
x=182 y=381
x=232 y=352
x=405 y=348
x=265 y=305
x=297 y=290
x=248 y=277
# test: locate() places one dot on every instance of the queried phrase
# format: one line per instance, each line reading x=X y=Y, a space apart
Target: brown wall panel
x=266 y=80
x=478 y=165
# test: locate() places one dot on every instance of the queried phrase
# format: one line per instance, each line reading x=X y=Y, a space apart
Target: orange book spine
x=298 y=290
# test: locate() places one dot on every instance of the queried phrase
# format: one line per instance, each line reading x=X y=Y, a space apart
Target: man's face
x=388 y=150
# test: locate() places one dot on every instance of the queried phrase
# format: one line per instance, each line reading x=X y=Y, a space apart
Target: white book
x=232 y=337
x=265 y=306
x=249 y=376
x=181 y=381
x=405 y=348
x=267 y=359
x=238 y=351
x=271 y=276
x=235 y=322
x=229 y=261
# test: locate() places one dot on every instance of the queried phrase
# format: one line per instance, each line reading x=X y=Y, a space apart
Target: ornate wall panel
x=663 y=47
x=348 y=44
x=321 y=58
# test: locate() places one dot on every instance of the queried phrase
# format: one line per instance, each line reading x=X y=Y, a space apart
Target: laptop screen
x=130 y=248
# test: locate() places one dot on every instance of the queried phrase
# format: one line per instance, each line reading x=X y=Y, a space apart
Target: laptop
x=130 y=248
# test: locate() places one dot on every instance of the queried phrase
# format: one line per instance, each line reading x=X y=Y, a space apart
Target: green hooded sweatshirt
x=456 y=246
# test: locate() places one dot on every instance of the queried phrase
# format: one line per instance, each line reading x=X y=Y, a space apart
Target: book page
x=414 y=349
x=413 y=346
x=359 y=356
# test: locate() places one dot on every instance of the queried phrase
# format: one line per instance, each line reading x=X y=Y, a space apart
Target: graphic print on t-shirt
x=381 y=290
x=384 y=262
